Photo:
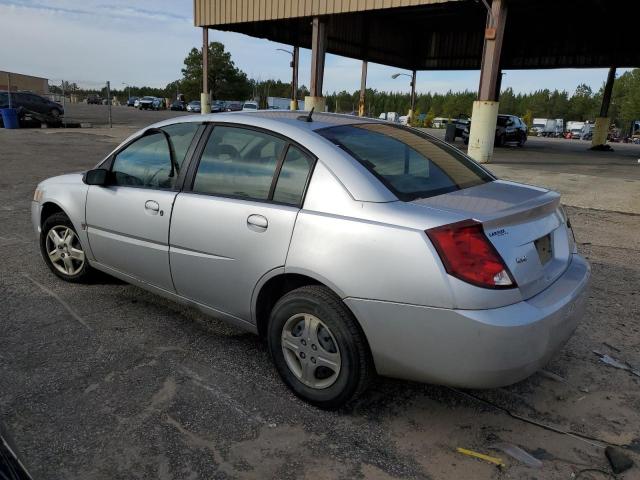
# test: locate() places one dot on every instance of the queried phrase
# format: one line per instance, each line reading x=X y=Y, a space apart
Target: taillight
x=468 y=254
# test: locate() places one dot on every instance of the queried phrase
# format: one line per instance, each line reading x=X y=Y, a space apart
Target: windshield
x=148 y=98
x=251 y=105
x=410 y=164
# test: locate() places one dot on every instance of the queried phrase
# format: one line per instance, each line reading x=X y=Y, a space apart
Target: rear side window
x=238 y=162
x=293 y=177
x=409 y=164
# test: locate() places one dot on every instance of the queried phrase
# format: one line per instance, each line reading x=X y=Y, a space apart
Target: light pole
x=294 y=76
x=129 y=88
x=413 y=91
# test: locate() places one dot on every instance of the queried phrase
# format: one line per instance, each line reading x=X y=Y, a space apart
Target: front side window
x=407 y=163
x=238 y=162
x=181 y=136
x=145 y=163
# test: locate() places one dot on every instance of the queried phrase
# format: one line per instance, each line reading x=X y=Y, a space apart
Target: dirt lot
x=107 y=381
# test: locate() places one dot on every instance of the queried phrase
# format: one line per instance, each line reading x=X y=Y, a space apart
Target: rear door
x=128 y=220
x=235 y=224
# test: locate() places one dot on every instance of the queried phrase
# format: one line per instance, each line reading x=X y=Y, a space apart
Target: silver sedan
x=353 y=246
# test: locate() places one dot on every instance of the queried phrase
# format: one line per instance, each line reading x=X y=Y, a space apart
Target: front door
x=235 y=224
x=128 y=220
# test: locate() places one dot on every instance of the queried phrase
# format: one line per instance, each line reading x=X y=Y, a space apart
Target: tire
x=75 y=268
x=316 y=313
x=55 y=113
x=522 y=139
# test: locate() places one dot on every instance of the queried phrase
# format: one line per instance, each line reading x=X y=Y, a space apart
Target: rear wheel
x=62 y=251
x=318 y=347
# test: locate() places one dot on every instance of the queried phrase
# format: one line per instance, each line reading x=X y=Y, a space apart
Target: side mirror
x=97 y=176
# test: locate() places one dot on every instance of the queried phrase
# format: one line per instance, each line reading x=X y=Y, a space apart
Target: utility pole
x=64 y=104
x=109 y=102
x=9 y=88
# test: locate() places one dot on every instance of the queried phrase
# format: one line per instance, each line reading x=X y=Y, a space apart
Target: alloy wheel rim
x=64 y=250
x=311 y=351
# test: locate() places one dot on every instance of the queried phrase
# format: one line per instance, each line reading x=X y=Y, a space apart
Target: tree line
x=228 y=82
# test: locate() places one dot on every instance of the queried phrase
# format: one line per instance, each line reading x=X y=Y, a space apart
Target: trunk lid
x=522 y=222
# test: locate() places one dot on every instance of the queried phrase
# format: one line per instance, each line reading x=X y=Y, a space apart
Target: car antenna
x=307 y=118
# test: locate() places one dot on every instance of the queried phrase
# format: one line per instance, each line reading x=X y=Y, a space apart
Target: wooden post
x=608 y=89
x=494 y=34
x=363 y=89
x=600 y=131
x=318 y=49
x=205 y=98
x=413 y=95
x=485 y=109
x=205 y=60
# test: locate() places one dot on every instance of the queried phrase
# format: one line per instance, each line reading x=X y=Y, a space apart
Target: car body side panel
x=368 y=259
x=217 y=257
x=127 y=236
x=69 y=193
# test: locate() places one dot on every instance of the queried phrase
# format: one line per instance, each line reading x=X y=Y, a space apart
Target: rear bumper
x=474 y=348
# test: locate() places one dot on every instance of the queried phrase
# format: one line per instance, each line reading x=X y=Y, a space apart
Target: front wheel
x=318 y=347
x=62 y=251
x=522 y=139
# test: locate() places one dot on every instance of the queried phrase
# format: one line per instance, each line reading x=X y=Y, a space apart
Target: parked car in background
x=217 y=106
x=94 y=100
x=538 y=126
x=178 y=105
x=194 y=106
x=231 y=106
x=509 y=129
x=131 y=102
x=251 y=106
x=151 y=103
x=26 y=102
x=352 y=246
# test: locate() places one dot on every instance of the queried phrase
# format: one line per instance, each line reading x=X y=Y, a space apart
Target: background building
x=19 y=81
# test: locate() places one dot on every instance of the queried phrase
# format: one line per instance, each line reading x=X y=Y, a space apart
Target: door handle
x=258 y=221
x=152 y=205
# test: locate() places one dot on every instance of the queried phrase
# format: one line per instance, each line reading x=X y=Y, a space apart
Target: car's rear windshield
x=411 y=164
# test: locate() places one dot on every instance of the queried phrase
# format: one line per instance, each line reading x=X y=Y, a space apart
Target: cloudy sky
x=91 y=41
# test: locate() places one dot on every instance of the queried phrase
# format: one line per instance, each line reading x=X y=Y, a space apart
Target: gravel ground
x=107 y=381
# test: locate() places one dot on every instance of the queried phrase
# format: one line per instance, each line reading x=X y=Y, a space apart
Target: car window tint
x=293 y=177
x=409 y=164
x=145 y=163
x=238 y=162
x=181 y=135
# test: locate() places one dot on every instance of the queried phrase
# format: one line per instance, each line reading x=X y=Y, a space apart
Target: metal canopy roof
x=443 y=34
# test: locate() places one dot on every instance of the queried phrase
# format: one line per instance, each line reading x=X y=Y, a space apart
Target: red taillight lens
x=468 y=254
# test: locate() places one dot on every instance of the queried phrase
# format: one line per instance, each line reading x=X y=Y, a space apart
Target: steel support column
x=601 y=128
x=318 y=50
x=485 y=109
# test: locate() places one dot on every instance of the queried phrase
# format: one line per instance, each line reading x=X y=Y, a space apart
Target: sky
x=91 y=41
